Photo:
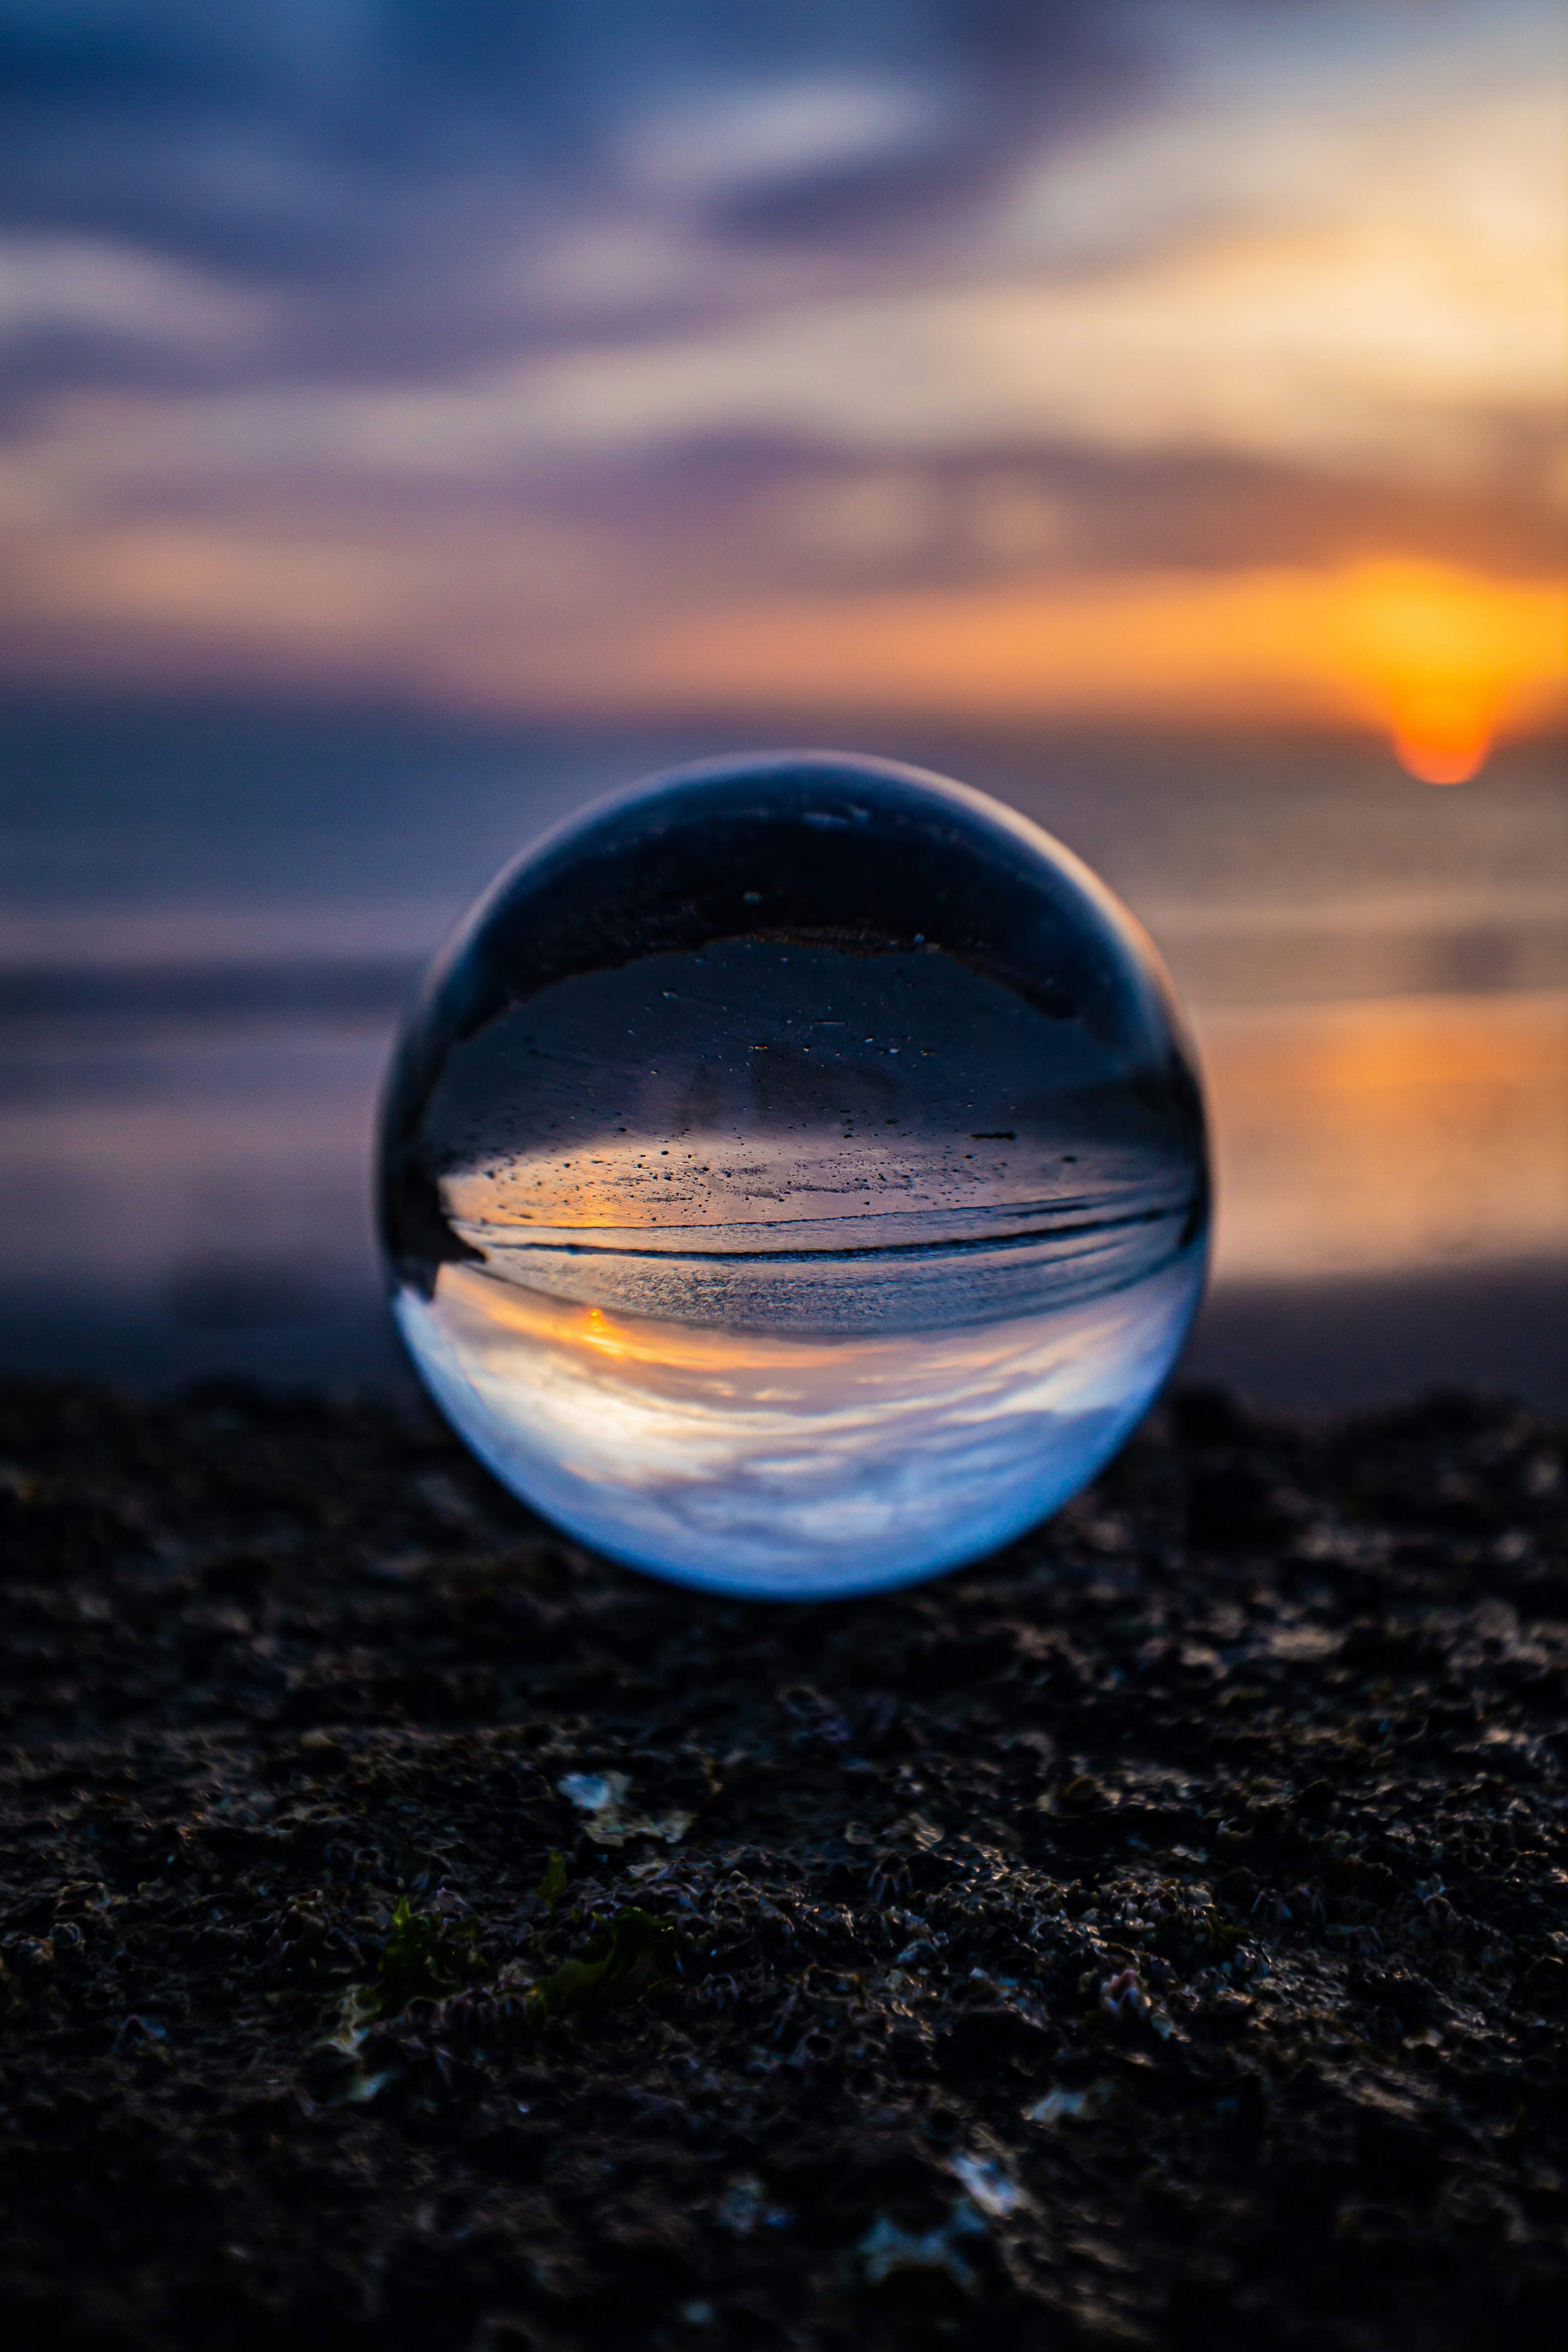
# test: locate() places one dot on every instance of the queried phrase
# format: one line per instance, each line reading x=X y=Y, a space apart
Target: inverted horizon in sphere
x=793 y=1178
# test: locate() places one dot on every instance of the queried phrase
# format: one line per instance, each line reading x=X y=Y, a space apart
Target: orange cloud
x=1438 y=659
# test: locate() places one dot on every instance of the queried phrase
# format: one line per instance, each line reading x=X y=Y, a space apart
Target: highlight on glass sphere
x=792 y=1178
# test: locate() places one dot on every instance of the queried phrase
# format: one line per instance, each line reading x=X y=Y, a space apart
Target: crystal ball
x=793 y=1176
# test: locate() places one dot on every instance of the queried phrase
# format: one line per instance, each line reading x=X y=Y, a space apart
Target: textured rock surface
x=1154 y=1935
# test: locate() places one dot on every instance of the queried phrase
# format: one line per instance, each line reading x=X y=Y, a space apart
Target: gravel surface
x=416 y=1933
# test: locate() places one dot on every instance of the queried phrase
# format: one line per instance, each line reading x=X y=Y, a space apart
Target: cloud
x=1439 y=659
x=434 y=344
x=1326 y=348
x=1422 y=358
x=393 y=148
x=81 y=310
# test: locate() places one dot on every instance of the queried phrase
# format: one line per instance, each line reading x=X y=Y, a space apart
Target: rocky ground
x=418 y=1934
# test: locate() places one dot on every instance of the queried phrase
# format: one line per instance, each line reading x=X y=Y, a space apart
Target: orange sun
x=1446 y=656
x=1442 y=737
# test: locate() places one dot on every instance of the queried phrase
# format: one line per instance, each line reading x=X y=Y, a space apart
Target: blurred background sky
x=420 y=418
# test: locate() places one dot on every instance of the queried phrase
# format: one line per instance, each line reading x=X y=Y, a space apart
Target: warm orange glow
x=1438 y=659
x=679 y=1352
x=1418 y=1130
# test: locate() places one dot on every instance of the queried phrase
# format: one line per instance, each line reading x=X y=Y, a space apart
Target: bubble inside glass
x=792 y=1178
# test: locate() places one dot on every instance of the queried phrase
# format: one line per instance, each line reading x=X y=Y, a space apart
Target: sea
x=213 y=916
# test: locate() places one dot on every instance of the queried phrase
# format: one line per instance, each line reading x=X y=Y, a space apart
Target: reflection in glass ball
x=793 y=1178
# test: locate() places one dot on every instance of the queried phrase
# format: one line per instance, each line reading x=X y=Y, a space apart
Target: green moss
x=424 y=1958
x=552 y=1885
x=428 y=1959
x=635 y=1953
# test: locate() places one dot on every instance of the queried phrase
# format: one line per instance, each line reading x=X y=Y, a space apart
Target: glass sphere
x=792 y=1178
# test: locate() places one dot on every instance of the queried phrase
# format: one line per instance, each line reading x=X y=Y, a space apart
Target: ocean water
x=213 y=918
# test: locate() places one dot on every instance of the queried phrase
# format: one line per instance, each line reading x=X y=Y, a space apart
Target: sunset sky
x=1099 y=363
